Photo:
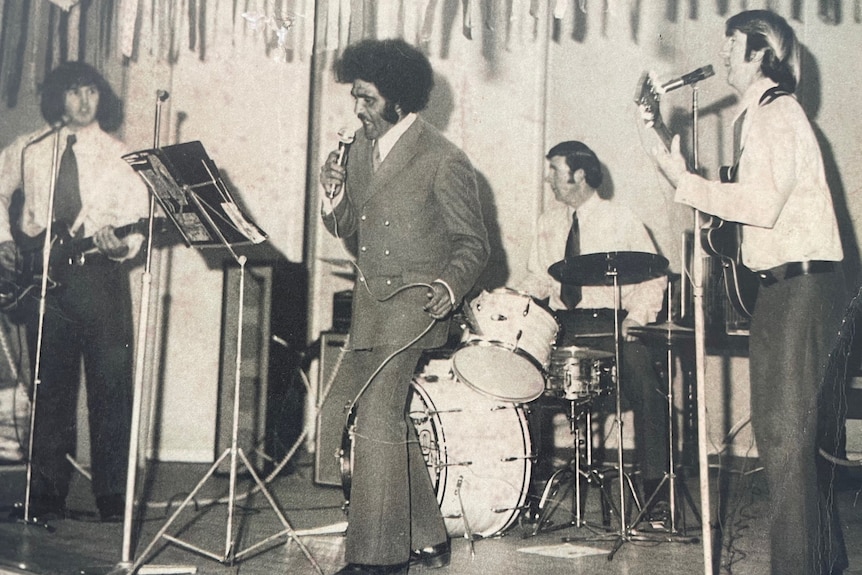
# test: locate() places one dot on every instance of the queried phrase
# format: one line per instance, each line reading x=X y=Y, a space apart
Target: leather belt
x=794 y=269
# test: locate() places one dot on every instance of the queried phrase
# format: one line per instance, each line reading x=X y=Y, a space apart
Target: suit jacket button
x=364 y=248
x=389 y=282
x=363 y=217
x=385 y=252
x=386 y=223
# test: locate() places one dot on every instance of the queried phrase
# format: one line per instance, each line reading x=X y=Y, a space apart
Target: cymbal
x=601 y=268
x=574 y=352
x=663 y=332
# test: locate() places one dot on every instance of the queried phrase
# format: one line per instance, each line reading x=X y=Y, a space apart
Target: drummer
x=582 y=222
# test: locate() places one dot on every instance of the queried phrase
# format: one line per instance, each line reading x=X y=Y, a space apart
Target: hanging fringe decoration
x=128 y=20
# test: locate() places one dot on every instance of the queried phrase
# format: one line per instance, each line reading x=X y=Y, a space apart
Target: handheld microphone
x=687 y=79
x=55 y=127
x=345 y=138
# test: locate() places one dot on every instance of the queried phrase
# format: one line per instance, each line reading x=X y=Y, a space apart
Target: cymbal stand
x=673 y=534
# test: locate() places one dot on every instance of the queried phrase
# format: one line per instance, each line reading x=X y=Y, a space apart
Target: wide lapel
x=397 y=159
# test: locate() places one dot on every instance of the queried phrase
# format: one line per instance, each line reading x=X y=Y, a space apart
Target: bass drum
x=478 y=451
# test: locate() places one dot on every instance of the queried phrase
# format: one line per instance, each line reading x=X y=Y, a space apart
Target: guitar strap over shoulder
x=728 y=173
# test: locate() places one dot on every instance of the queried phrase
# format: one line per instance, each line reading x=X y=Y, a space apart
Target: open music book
x=188 y=186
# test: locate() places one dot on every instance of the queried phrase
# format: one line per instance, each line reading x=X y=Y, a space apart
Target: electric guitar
x=719 y=238
x=66 y=251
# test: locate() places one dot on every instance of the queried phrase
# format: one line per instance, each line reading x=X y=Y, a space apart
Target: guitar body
x=723 y=240
x=66 y=251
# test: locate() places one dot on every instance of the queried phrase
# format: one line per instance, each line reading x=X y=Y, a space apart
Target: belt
x=794 y=269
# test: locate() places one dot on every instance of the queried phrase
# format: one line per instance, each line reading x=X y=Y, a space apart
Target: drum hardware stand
x=670 y=534
x=575 y=472
x=230 y=555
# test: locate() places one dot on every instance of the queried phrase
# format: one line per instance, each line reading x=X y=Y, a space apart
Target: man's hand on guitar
x=8 y=255
x=109 y=244
x=671 y=162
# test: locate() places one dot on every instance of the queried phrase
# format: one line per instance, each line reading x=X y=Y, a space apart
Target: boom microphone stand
x=43 y=292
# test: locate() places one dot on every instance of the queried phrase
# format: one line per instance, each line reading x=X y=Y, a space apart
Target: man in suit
x=409 y=197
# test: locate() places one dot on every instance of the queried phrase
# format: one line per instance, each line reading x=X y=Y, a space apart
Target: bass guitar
x=719 y=238
x=66 y=251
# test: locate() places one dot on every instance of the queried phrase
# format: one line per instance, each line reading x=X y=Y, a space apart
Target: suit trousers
x=793 y=329
x=393 y=508
x=88 y=317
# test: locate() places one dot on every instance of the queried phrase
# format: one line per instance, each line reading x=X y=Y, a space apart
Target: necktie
x=67 y=203
x=375 y=156
x=571 y=294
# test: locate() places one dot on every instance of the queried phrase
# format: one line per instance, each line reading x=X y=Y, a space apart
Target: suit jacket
x=417 y=219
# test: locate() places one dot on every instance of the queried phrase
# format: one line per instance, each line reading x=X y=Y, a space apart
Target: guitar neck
x=663 y=133
x=86 y=244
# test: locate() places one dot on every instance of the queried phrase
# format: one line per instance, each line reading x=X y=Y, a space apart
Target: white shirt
x=604 y=226
x=781 y=195
x=111 y=192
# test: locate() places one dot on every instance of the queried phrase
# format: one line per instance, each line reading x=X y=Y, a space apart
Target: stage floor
x=82 y=545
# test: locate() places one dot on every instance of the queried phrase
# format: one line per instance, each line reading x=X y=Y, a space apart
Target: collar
x=82 y=133
x=586 y=208
x=388 y=140
x=752 y=95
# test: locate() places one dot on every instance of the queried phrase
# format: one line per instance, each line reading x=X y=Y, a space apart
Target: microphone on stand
x=345 y=138
x=687 y=79
x=162 y=95
x=55 y=127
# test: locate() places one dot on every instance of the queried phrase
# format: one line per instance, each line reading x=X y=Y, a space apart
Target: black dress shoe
x=42 y=508
x=434 y=557
x=112 y=508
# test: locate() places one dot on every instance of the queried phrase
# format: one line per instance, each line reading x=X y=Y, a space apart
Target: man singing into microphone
x=410 y=198
x=89 y=315
x=790 y=238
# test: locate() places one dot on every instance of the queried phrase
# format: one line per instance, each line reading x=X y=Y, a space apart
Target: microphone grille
x=345 y=135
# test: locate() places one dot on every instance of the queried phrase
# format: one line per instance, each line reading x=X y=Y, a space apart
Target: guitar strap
x=728 y=174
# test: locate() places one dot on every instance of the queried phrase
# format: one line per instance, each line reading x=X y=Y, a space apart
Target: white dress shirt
x=111 y=192
x=781 y=196
x=605 y=226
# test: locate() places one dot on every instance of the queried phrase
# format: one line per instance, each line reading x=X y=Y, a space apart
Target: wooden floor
x=314 y=518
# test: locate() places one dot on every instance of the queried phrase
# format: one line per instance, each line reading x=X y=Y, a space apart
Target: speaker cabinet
x=330 y=418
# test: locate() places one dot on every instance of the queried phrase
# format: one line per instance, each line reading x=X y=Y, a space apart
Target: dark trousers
x=792 y=332
x=393 y=508
x=88 y=317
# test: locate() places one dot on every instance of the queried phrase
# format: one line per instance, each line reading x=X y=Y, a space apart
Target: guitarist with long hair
x=790 y=239
x=88 y=312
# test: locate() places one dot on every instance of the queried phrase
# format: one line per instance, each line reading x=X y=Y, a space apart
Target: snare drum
x=579 y=373
x=506 y=350
x=478 y=451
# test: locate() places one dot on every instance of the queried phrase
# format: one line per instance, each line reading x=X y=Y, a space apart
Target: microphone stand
x=700 y=356
x=140 y=356
x=43 y=292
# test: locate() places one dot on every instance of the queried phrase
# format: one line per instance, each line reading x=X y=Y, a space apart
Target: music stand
x=189 y=188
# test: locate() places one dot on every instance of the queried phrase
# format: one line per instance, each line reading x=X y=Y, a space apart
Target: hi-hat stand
x=670 y=335
x=190 y=190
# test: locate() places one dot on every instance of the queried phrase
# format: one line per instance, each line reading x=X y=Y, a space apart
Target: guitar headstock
x=648 y=100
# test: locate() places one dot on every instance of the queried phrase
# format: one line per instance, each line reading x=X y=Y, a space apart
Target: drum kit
x=468 y=409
